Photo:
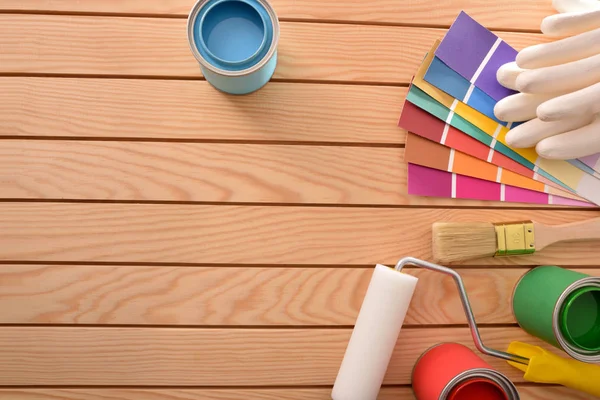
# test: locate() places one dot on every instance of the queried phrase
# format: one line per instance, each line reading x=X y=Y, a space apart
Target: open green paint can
x=561 y=307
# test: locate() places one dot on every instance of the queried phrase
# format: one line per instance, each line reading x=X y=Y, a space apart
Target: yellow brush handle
x=546 y=367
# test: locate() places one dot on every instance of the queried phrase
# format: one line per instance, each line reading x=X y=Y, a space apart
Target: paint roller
x=378 y=326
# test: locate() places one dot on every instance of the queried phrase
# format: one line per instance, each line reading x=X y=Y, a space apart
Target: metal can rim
x=506 y=384
x=272 y=49
x=578 y=354
x=216 y=3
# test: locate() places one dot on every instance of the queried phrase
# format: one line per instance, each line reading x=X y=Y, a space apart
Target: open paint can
x=561 y=307
x=451 y=371
x=235 y=42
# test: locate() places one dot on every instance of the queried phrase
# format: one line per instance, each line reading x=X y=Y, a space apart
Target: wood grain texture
x=202 y=172
x=252 y=234
x=236 y=296
x=386 y=393
x=131 y=108
x=158 y=47
x=284 y=320
x=510 y=14
x=209 y=172
x=215 y=357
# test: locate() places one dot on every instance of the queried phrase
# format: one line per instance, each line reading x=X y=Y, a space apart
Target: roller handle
x=583 y=377
x=547 y=367
x=574 y=374
x=466 y=306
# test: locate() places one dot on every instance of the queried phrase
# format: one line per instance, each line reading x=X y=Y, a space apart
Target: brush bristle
x=463 y=241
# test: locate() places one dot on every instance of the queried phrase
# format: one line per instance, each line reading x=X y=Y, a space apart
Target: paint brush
x=456 y=241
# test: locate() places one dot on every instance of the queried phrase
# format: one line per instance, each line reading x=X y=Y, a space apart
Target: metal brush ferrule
x=515 y=238
x=466 y=306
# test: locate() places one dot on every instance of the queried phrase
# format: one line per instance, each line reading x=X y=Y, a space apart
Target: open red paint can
x=451 y=371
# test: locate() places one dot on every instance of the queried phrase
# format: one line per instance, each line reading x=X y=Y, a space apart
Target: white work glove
x=559 y=85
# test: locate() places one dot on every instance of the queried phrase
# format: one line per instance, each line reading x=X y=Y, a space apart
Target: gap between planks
x=199 y=79
x=245 y=327
x=508 y=207
x=234 y=387
x=249 y=265
x=205 y=141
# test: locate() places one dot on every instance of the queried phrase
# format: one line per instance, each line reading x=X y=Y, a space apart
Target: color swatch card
x=426 y=102
x=477 y=118
x=443 y=77
x=471 y=100
x=438 y=74
x=496 y=132
x=418 y=121
x=429 y=154
x=455 y=141
x=561 y=172
x=429 y=182
x=584 y=167
x=476 y=54
x=491 y=127
x=592 y=161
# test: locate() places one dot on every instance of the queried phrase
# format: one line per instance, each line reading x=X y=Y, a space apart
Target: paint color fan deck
x=456 y=147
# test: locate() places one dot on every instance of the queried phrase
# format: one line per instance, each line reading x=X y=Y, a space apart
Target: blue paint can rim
x=253 y=63
x=248 y=61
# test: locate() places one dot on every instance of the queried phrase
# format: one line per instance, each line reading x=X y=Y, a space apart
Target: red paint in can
x=477 y=389
x=451 y=371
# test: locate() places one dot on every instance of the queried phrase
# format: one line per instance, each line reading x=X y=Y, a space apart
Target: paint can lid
x=477 y=389
x=580 y=318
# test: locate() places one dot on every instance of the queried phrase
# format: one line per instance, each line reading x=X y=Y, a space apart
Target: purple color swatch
x=465 y=45
x=465 y=48
x=487 y=80
x=591 y=161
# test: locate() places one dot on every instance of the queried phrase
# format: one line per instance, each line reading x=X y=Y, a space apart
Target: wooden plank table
x=160 y=240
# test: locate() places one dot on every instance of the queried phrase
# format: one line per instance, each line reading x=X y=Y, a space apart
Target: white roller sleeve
x=375 y=334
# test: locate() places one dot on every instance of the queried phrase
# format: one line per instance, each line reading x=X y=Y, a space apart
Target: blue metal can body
x=235 y=42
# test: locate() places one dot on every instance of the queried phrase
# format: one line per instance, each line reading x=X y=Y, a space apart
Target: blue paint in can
x=235 y=42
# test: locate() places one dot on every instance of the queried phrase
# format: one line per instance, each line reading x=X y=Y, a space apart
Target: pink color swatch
x=423 y=181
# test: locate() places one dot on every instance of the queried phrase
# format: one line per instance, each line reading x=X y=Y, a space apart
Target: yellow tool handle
x=581 y=376
x=546 y=367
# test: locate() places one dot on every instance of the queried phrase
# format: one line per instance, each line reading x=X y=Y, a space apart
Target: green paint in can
x=561 y=307
x=580 y=319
